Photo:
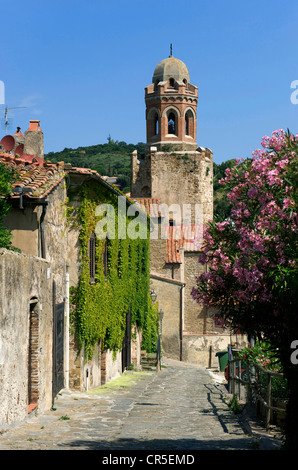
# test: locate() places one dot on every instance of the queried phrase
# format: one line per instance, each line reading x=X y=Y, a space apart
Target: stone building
x=173 y=181
x=39 y=355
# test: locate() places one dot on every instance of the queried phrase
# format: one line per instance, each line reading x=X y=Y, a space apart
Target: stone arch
x=191 y=111
x=153 y=122
x=146 y=191
x=169 y=109
x=189 y=121
x=172 y=115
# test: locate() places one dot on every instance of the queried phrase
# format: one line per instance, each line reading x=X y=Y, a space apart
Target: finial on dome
x=171 y=50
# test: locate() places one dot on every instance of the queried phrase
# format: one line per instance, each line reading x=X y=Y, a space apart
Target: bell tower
x=173 y=182
x=171 y=107
x=174 y=169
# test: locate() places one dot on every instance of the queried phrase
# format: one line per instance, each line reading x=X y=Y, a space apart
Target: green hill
x=109 y=159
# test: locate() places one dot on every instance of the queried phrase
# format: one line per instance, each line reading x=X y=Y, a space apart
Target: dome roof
x=171 y=68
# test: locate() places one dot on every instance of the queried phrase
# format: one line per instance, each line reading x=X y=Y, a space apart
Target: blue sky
x=81 y=67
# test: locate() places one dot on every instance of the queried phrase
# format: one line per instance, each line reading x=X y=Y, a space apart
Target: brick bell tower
x=174 y=169
x=174 y=181
x=171 y=106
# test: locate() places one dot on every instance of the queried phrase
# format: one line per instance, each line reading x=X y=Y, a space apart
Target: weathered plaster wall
x=136 y=343
x=196 y=348
x=169 y=300
x=21 y=278
x=23 y=224
x=195 y=320
x=56 y=234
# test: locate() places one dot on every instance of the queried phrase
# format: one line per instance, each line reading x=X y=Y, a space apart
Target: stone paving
x=180 y=408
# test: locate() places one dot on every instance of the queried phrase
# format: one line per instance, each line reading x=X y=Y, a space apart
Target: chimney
x=34 y=139
x=18 y=136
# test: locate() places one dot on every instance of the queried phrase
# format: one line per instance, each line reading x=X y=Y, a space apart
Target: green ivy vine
x=99 y=309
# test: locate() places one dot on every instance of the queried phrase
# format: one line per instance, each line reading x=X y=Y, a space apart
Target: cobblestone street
x=180 y=408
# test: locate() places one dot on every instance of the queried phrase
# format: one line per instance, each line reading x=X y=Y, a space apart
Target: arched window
x=189 y=123
x=156 y=129
x=171 y=83
x=186 y=125
x=171 y=123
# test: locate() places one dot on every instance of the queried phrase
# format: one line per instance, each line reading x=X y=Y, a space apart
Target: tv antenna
x=6 y=118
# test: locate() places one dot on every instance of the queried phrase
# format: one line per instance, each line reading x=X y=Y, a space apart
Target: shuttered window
x=92 y=258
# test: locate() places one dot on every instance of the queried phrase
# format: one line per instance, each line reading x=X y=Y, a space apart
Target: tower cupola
x=171 y=106
x=171 y=68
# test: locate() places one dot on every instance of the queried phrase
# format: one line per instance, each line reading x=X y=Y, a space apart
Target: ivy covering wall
x=100 y=308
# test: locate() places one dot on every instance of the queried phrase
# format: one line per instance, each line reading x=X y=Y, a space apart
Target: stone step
x=149 y=361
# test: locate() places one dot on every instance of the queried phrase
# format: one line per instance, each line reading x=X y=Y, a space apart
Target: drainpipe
x=181 y=322
x=66 y=313
x=42 y=231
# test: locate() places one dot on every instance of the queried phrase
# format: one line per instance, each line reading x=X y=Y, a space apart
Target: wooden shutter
x=92 y=258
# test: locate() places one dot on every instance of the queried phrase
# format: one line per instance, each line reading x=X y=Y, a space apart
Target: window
x=172 y=83
x=171 y=123
x=92 y=263
x=156 y=130
x=189 y=123
x=186 y=124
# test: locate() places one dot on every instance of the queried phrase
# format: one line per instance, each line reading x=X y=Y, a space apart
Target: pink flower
x=252 y=193
x=287 y=202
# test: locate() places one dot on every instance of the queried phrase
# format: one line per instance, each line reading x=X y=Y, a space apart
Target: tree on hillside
x=252 y=256
x=7 y=176
x=221 y=205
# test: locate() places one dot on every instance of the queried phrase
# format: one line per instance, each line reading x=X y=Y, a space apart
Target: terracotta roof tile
x=151 y=205
x=166 y=279
x=33 y=173
x=188 y=238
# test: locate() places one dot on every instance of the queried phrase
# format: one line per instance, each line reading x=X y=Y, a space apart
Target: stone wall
x=56 y=238
x=111 y=366
x=136 y=343
x=175 y=178
x=202 y=349
x=195 y=315
x=182 y=178
x=25 y=226
x=23 y=279
x=169 y=297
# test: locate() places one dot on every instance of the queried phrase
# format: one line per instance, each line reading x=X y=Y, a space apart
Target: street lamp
x=153 y=295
